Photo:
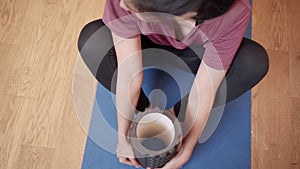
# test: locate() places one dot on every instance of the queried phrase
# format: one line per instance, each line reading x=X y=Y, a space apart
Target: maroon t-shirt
x=221 y=36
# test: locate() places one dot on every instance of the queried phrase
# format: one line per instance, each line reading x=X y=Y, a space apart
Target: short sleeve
x=121 y=22
x=220 y=52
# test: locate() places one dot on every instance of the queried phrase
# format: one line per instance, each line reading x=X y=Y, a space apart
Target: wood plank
x=294 y=47
x=295 y=72
x=254 y=127
x=8 y=115
x=12 y=22
x=295 y=105
x=269 y=25
x=272 y=145
x=11 y=131
x=5 y=65
x=72 y=138
x=18 y=70
x=34 y=158
x=84 y=91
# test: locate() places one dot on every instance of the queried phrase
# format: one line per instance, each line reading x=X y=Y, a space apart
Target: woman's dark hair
x=206 y=9
x=211 y=9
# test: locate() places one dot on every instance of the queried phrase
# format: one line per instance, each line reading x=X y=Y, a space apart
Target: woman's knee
x=255 y=58
x=87 y=31
x=93 y=43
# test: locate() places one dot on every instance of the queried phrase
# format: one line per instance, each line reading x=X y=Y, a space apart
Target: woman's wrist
x=122 y=136
x=184 y=154
x=188 y=145
x=123 y=132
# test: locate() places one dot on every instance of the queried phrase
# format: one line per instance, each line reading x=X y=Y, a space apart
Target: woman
x=216 y=27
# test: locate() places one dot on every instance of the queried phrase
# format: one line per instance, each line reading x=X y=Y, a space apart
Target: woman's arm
x=129 y=82
x=201 y=99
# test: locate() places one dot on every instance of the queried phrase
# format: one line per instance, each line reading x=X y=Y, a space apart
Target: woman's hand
x=125 y=153
x=179 y=159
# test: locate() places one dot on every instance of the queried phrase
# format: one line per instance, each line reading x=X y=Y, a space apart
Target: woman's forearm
x=200 y=102
x=127 y=95
x=129 y=80
x=197 y=114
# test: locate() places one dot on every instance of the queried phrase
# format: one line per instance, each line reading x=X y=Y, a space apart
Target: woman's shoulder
x=216 y=27
x=113 y=10
x=245 y=3
x=120 y=21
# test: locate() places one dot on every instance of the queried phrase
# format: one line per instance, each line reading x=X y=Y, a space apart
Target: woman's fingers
x=129 y=161
x=125 y=153
x=125 y=160
x=134 y=162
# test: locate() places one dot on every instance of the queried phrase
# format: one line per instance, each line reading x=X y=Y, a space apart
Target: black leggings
x=249 y=66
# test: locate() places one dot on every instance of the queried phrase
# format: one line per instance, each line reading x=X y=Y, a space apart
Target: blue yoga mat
x=228 y=148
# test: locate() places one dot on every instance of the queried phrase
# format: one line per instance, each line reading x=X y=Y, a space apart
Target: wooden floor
x=38 y=124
